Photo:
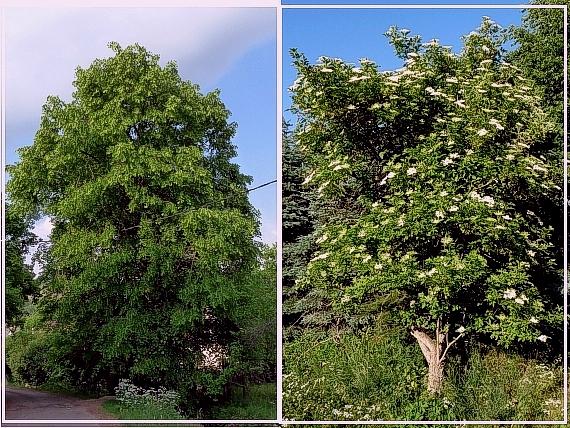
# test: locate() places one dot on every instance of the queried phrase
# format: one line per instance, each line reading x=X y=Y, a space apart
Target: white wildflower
x=531 y=253
x=488 y=200
x=378 y=266
x=507 y=217
x=447 y=161
x=533 y=320
x=510 y=157
x=431 y=272
x=543 y=338
x=460 y=330
x=367 y=258
x=451 y=80
x=453 y=208
x=519 y=301
x=482 y=132
x=443 y=193
x=411 y=171
x=351 y=107
x=460 y=103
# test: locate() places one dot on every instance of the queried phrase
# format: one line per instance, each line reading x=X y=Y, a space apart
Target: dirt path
x=27 y=404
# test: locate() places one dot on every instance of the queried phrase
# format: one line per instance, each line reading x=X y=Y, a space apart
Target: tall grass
x=382 y=377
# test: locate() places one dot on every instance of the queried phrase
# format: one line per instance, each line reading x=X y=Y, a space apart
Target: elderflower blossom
x=482 y=132
x=322 y=239
x=519 y=301
x=326 y=70
x=431 y=272
x=533 y=320
x=309 y=178
x=507 y=217
x=453 y=208
x=411 y=171
x=460 y=330
x=531 y=253
x=510 y=293
x=439 y=214
x=543 y=338
x=320 y=257
x=447 y=161
x=497 y=124
x=339 y=167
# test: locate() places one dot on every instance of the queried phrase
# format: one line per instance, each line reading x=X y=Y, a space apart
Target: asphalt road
x=27 y=404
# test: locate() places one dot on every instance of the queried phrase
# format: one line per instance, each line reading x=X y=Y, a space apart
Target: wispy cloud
x=45 y=45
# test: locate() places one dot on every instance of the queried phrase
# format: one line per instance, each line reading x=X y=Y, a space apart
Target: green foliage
x=257 y=338
x=257 y=402
x=153 y=239
x=298 y=225
x=440 y=165
x=500 y=386
x=136 y=411
x=380 y=377
x=20 y=281
x=34 y=357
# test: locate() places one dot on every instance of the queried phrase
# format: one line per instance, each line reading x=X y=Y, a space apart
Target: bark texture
x=434 y=353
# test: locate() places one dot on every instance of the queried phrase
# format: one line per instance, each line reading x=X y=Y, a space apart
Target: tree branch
x=449 y=345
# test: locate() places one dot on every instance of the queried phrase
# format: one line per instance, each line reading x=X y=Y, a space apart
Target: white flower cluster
x=485 y=199
x=129 y=393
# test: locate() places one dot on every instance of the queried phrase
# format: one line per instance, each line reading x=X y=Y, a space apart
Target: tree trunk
x=435 y=376
x=434 y=355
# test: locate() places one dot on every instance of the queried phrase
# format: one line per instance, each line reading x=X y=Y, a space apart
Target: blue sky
x=231 y=49
x=352 y=34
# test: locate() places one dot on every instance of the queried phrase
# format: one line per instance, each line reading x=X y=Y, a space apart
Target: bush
x=32 y=358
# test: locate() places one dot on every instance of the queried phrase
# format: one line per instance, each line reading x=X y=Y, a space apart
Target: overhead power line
x=261 y=185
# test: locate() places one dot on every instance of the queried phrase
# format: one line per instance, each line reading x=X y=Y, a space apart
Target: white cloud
x=45 y=45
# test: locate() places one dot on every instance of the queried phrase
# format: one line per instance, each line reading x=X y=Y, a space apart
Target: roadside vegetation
x=423 y=230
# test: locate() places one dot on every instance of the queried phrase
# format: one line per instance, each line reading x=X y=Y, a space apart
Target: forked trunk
x=434 y=352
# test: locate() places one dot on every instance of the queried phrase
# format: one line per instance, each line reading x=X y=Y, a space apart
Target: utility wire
x=261 y=185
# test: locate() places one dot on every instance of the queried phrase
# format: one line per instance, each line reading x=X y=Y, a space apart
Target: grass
x=140 y=411
x=257 y=402
x=382 y=377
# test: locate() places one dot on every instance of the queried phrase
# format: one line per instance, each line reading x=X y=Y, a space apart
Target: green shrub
x=33 y=359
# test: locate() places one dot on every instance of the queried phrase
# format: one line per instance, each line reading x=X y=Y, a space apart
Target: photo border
x=7 y=4
x=565 y=160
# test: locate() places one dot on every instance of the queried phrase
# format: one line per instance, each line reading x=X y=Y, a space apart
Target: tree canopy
x=447 y=185
x=153 y=238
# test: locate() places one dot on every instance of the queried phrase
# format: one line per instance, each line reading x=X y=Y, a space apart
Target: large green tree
x=440 y=165
x=153 y=237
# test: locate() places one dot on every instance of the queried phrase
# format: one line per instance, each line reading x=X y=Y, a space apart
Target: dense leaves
x=20 y=281
x=153 y=242
x=450 y=189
